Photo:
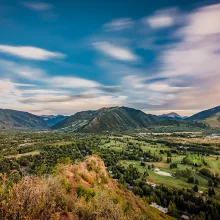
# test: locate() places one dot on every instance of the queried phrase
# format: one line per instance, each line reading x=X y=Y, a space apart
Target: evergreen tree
x=172 y=209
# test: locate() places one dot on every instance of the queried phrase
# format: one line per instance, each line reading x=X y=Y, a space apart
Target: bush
x=35 y=198
x=87 y=193
x=206 y=172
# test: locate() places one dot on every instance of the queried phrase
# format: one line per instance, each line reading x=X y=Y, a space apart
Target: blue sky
x=60 y=57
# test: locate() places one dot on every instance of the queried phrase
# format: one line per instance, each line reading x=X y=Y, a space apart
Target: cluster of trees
x=213 y=180
x=191 y=179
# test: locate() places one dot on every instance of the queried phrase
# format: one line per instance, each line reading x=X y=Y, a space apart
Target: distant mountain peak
x=53 y=119
x=172 y=114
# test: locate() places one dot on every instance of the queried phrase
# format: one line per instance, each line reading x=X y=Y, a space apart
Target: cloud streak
x=161 y=19
x=54 y=98
x=37 y=6
x=116 y=52
x=119 y=24
x=22 y=70
x=30 y=53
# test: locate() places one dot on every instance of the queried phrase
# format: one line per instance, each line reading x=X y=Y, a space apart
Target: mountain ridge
x=210 y=116
x=114 y=118
x=19 y=119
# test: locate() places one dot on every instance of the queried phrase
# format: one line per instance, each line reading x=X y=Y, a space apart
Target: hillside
x=80 y=191
x=53 y=119
x=116 y=118
x=210 y=117
x=18 y=119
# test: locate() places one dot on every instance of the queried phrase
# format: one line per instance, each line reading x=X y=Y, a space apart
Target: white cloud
x=203 y=22
x=119 y=24
x=56 y=98
x=42 y=91
x=134 y=82
x=196 y=55
x=164 y=87
x=8 y=92
x=37 y=6
x=22 y=70
x=162 y=18
x=31 y=53
x=114 y=51
x=24 y=85
x=160 y=21
x=195 y=59
x=72 y=82
x=6 y=86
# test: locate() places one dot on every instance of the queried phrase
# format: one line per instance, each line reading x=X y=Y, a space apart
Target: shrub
x=206 y=172
x=35 y=198
x=87 y=193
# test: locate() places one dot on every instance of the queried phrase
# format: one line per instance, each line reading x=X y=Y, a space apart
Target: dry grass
x=56 y=197
x=32 y=153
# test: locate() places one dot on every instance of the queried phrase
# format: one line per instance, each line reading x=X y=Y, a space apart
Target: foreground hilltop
x=79 y=191
x=114 y=118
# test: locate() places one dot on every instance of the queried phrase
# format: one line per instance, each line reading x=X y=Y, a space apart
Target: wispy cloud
x=116 y=52
x=202 y=22
x=53 y=98
x=200 y=41
x=196 y=59
x=8 y=92
x=37 y=6
x=22 y=70
x=161 y=19
x=71 y=82
x=30 y=53
x=119 y=24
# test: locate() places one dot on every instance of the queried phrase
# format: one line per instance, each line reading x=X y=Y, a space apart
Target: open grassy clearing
x=112 y=144
x=33 y=153
x=213 y=164
x=59 y=143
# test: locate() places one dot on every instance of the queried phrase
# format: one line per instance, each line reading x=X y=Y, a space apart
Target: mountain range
x=105 y=119
x=115 y=118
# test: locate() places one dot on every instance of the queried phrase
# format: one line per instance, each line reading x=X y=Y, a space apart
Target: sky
x=62 y=56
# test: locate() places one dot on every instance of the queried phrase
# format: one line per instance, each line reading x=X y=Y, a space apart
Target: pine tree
x=195 y=188
x=172 y=209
